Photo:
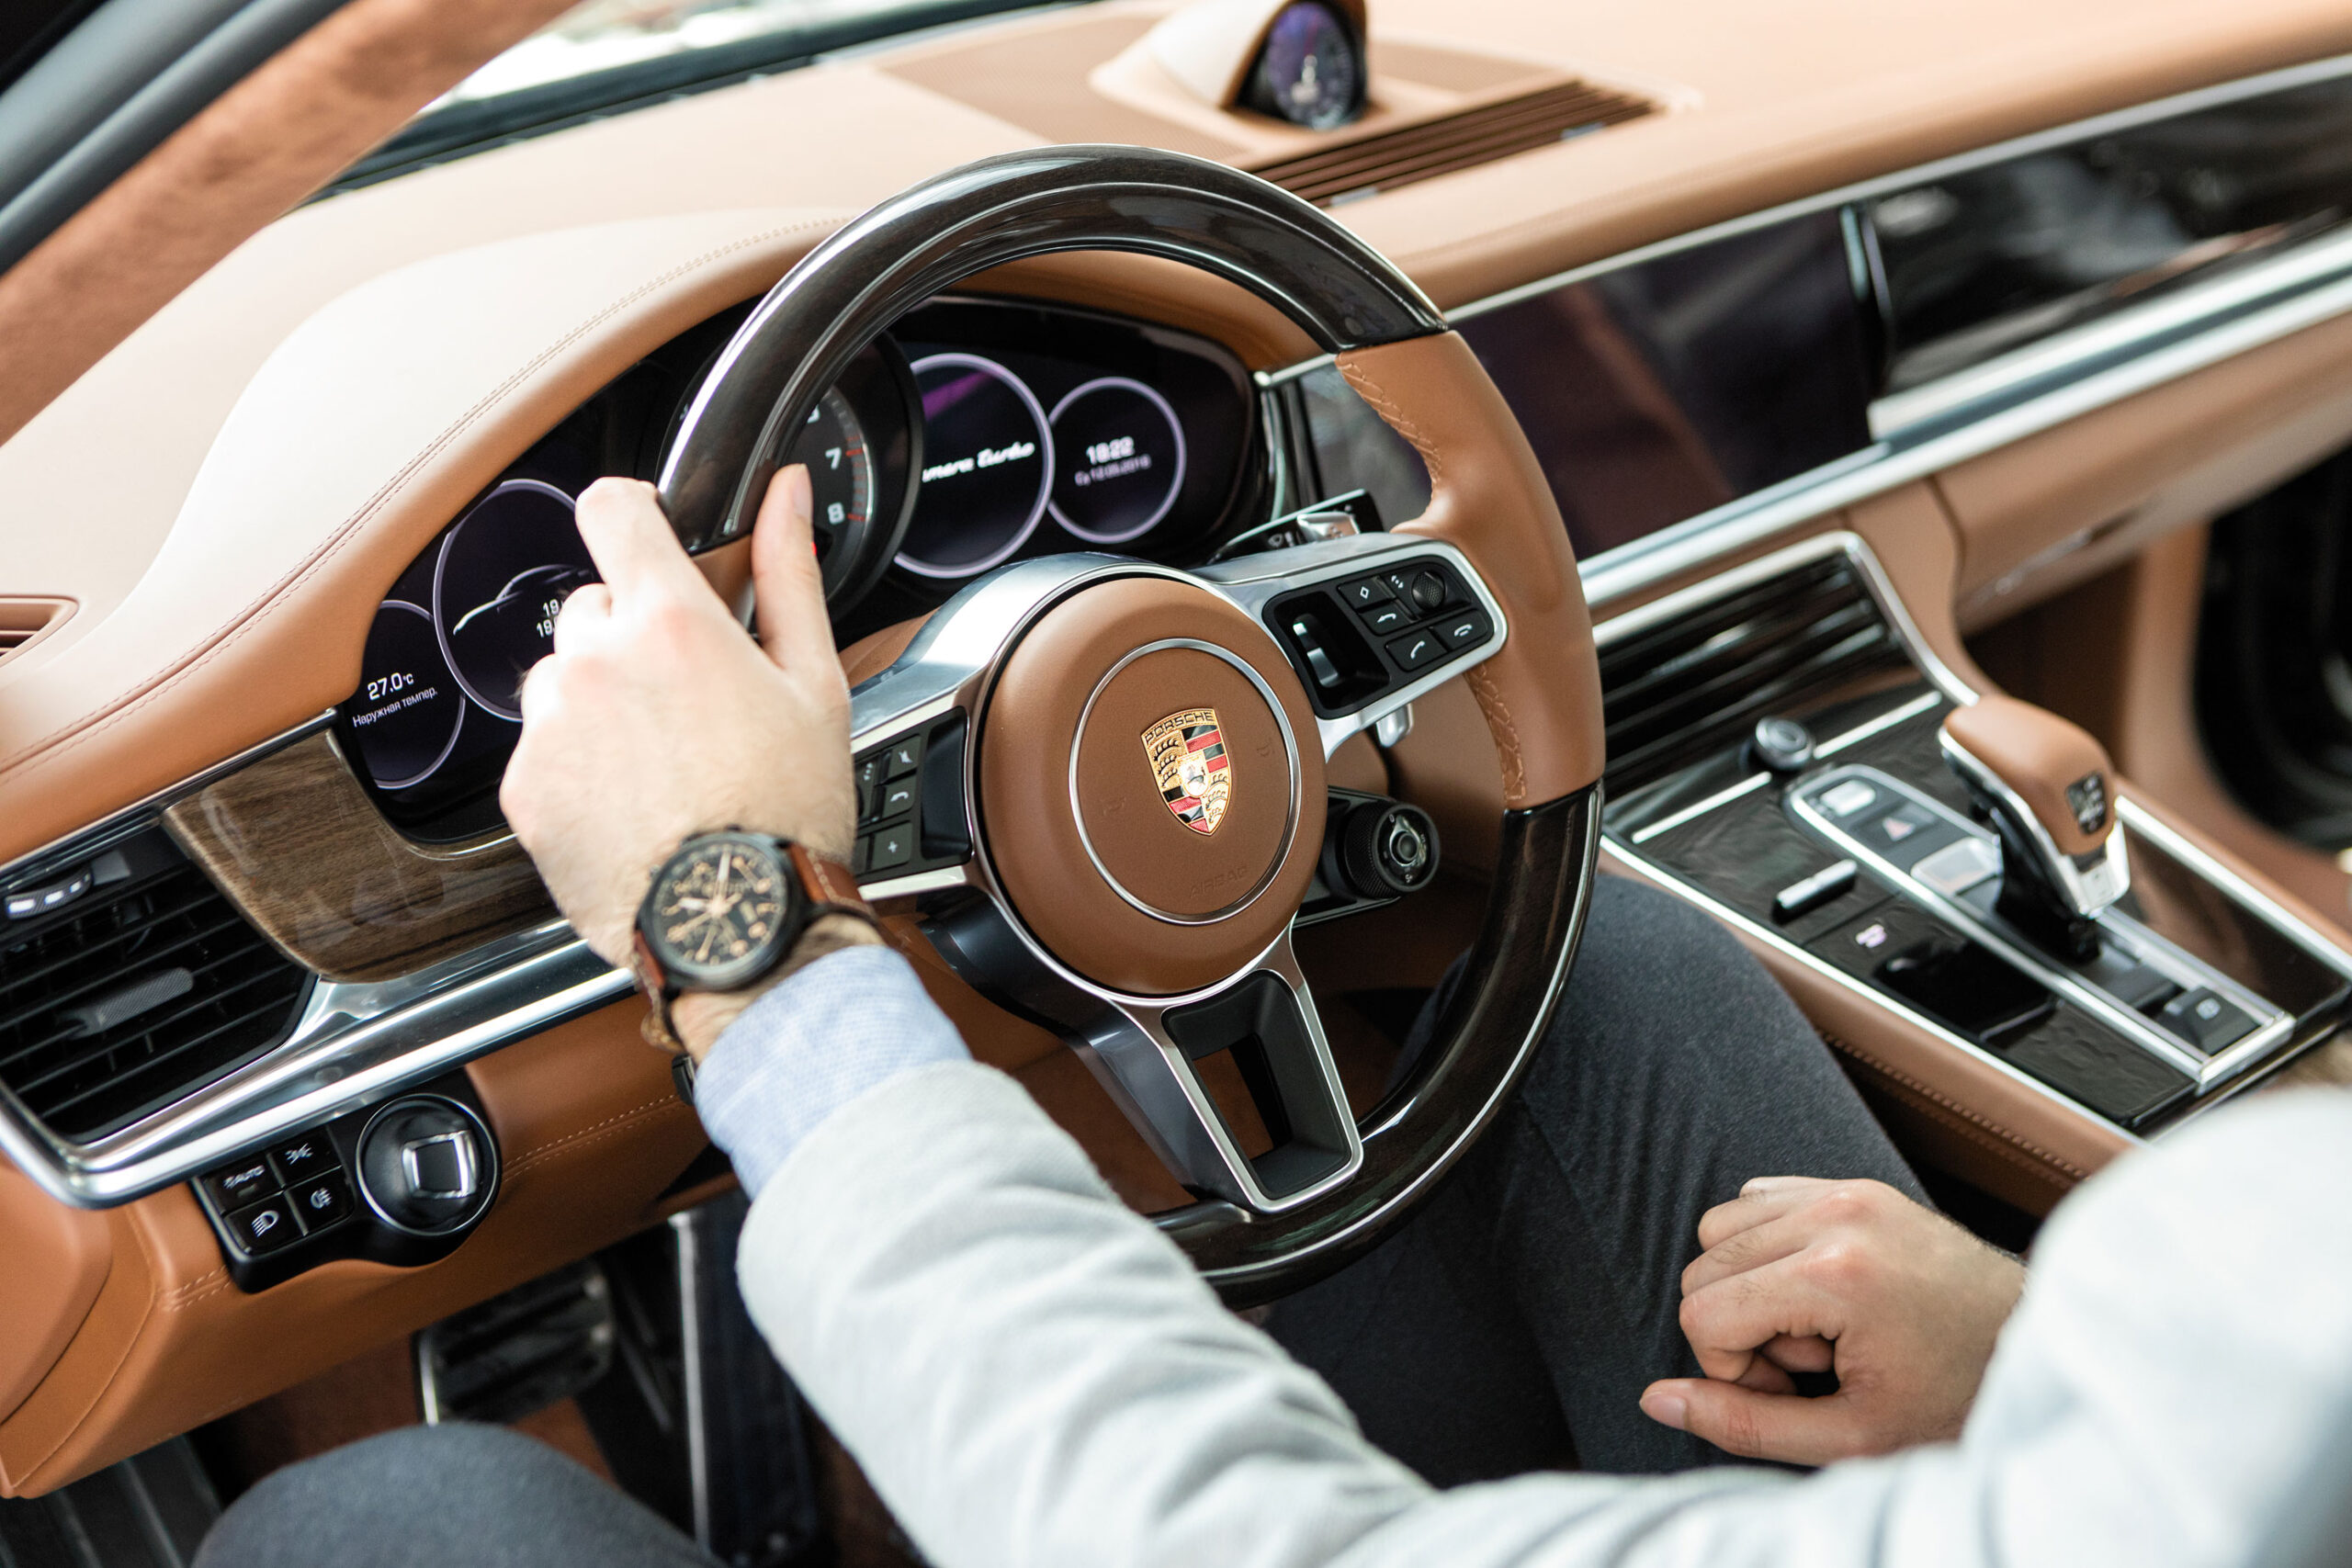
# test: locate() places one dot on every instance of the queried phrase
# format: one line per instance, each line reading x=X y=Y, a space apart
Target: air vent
x=21 y=620
x=1691 y=684
x=1370 y=165
x=127 y=982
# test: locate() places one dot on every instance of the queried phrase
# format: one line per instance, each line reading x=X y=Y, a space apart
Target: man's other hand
x=1801 y=1275
x=656 y=717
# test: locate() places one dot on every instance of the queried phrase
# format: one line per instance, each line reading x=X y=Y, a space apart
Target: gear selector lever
x=2048 y=789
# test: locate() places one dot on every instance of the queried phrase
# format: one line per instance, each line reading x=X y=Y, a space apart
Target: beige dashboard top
x=226 y=491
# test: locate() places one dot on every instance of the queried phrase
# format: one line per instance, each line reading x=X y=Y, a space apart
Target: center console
x=1789 y=754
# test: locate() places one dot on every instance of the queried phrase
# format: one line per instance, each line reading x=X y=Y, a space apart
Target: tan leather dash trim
x=592 y=1133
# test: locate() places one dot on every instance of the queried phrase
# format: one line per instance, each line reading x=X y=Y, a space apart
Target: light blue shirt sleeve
x=847 y=1023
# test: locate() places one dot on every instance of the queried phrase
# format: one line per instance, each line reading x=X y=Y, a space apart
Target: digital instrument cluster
x=974 y=432
x=1047 y=430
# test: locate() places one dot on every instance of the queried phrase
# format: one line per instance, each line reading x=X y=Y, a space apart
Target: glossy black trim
x=1488 y=1034
x=1339 y=289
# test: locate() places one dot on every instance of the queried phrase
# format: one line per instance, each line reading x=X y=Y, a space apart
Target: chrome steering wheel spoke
x=1147 y=1053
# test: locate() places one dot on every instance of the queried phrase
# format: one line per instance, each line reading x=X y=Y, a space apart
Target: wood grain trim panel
x=294 y=839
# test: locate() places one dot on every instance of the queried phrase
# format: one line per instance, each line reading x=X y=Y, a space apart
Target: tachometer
x=832 y=442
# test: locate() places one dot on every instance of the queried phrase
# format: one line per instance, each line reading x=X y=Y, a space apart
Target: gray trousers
x=1509 y=1326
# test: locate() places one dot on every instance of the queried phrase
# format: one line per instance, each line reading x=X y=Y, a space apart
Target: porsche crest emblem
x=1188 y=760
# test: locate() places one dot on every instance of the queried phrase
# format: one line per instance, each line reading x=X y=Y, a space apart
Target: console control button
x=299 y=1159
x=1803 y=897
x=321 y=1203
x=1781 y=745
x=1385 y=618
x=263 y=1227
x=1364 y=592
x=906 y=756
x=234 y=1185
x=2206 y=1021
x=1846 y=800
x=898 y=799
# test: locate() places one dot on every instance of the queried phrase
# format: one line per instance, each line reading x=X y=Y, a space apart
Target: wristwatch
x=725 y=909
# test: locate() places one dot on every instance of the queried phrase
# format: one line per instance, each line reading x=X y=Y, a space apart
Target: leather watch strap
x=830 y=884
x=658 y=992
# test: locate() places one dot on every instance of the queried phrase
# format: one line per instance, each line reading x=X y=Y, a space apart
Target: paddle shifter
x=2047 y=788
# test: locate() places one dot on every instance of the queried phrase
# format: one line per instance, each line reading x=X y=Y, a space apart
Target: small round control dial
x=1387 y=848
x=427 y=1166
x=1781 y=745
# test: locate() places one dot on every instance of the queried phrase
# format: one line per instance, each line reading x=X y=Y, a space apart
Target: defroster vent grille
x=1690 y=685
x=134 y=991
x=1422 y=151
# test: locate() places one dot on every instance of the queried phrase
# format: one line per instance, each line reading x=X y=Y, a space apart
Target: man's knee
x=390 y=1497
x=1659 y=988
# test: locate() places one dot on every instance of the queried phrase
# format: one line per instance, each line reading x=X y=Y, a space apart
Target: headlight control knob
x=427 y=1166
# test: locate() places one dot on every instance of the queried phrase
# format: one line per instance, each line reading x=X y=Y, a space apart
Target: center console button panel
x=2126 y=975
x=2182 y=985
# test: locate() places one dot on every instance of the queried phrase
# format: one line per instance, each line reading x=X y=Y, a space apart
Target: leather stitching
x=523 y=1162
x=1994 y=1136
x=1499 y=720
x=60 y=741
x=1386 y=406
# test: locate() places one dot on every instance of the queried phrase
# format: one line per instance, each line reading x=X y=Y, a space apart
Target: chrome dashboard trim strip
x=355 y=1045
x=1995 y=422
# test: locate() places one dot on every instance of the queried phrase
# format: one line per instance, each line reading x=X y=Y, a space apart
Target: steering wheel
x=1134 y=755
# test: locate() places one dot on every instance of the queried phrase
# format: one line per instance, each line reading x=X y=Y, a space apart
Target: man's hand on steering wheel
x=1853 y=1278
x=656 y=717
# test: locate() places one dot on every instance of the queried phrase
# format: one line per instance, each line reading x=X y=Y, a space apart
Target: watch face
x=719 y=911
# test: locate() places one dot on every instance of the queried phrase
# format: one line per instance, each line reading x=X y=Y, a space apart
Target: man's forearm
x=847 y=1023
x=1033 y=1375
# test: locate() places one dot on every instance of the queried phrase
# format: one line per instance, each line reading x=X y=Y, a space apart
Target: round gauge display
x=831 y=441
x=988 y=467
x=1311 y=71
x=408 y=710
x=505 y=571
x=1119 y=459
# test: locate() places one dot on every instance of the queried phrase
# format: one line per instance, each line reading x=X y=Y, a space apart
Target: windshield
x=606 y=55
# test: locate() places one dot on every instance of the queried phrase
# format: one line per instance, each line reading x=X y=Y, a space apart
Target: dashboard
x=977 y=433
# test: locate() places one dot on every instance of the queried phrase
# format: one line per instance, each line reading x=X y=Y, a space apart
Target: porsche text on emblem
x=1188 y=760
